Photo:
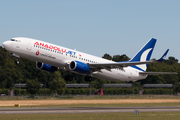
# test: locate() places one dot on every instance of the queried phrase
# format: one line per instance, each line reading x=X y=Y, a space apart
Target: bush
x=47 y=91
x=78 y=91
x=158 y=91
x=4 y=91
x=119 y=91
x=18 y=91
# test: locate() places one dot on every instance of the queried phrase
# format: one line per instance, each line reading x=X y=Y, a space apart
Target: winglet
x=164 y=55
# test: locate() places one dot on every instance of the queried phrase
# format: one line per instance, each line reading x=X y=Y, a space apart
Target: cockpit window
x=15 y=40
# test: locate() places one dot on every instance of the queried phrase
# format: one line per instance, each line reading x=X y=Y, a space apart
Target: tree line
x=26 y=72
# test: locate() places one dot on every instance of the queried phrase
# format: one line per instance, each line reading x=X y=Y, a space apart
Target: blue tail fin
x=144 y=54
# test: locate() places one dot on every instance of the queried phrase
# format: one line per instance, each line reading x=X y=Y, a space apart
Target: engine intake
x=45 y=67
x=79 y=67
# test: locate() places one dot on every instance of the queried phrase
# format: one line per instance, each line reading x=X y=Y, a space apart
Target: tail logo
x=144 y=58
x=145 y=54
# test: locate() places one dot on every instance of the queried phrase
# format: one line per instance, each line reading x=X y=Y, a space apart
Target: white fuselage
x=59 y=56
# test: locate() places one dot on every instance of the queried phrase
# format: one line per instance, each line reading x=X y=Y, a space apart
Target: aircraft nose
x=5 y=44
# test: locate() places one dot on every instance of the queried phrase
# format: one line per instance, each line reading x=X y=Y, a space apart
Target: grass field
x=99 y=101
x=95 y=116
x=89 y=103
x=71 y=97
x=95 y=101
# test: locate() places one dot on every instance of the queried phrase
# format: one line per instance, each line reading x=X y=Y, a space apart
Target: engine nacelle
x=79 y=67
x=45 y=67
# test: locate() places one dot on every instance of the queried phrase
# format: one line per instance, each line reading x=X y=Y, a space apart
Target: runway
x=85 y=110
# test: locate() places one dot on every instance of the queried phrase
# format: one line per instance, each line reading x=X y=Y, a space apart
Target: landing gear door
x=29 y=45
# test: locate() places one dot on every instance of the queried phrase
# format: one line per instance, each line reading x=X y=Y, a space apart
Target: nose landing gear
x=17 y=61
x=17 y=56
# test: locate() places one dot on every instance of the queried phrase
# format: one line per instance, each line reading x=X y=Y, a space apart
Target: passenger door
x=29 y=45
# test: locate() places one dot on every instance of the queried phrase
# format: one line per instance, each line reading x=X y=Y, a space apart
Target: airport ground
x=95 y=116
x=123 y=101
x=86 y=101
x=90 y=103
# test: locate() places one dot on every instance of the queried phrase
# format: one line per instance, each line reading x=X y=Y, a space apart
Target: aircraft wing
x=117 y=64
x=120 y=65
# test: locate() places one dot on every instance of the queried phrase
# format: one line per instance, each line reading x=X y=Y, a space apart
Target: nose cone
x=6 y=44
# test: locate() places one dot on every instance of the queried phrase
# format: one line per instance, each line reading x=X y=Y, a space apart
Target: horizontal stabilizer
x=157 y=73
x=163 y=56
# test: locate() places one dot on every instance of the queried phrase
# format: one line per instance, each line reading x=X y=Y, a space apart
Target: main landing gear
x=69 y=78
x=86 y=78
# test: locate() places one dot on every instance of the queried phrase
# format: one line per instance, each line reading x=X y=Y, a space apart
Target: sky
x=95 y=27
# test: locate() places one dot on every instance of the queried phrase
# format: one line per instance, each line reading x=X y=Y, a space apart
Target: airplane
x=50 y=57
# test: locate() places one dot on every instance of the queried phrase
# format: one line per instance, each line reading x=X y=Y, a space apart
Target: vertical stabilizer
x=144 y=54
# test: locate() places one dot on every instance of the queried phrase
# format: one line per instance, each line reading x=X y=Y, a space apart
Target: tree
x=171 y=60
x=57 y=84
x=26 y=71
x=33 y=86
x=118 y=58
x=107 y=56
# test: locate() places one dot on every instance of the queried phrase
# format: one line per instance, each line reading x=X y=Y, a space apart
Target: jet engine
x=79 y=67
x=45 y=67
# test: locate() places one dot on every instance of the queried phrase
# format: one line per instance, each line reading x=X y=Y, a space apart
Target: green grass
x=95 y=116
x=70 y=97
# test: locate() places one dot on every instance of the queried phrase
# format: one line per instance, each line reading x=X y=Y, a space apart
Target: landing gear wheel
x=88 y=78
x=17 y=61
x=69 y=78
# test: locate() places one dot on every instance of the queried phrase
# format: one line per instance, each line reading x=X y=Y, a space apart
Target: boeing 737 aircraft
x=50 y=57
